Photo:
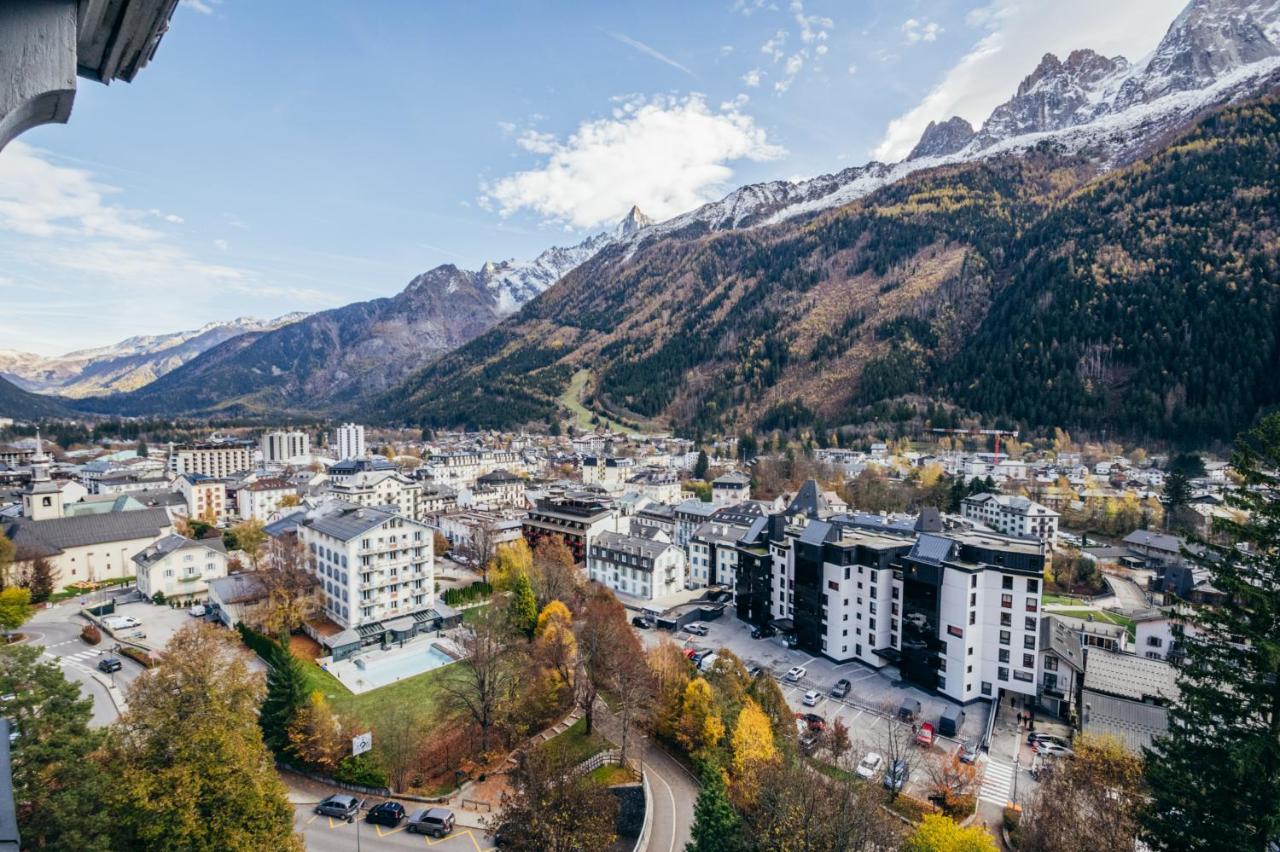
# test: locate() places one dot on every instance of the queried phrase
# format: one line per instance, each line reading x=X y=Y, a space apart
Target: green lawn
x=421 y=691
x=579 y=744
x=572 y=400
x=1051 y=599
x=1099 y=615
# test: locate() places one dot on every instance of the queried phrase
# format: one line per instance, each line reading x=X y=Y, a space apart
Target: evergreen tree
x=700 y=467
x=1177 y=493
x=1215 y=777
x=287 y=694
x=716 y=825
x=524 y=607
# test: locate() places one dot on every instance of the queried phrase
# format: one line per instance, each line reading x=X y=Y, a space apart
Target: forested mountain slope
x=1023 y=285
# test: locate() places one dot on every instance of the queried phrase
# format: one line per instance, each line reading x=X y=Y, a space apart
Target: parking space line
x=382 y=833
x=314 y=817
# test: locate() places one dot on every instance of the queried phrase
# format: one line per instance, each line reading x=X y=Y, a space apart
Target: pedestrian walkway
x=997 y=781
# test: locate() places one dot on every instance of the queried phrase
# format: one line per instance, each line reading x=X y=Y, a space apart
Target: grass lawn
x=572 y=400
x=579 y=744
x=421 y=691
x=611 y=776
x=1100 y=615
x=1051 y=599
x=835 y=772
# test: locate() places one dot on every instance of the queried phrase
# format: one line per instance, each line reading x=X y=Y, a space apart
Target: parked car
x=909 y=711
x=436 y=822
x=924 y=736
x=870 y=766
x=1036 y=737
x=811 y=698
x=386 y=813
x=697 y=628
x=699 y=654
x=813 y=721
x=795 y=673
x=705 y=664
x=689 y=652
x=641 y=622
x=110 y=664
x=198 y=610
x=137 y=634
x=969 y=751
x=341 y=806
x=764 y=631
x=1048 y=749
x=121 y=622
x=897 y=776
x=754 y=671
x=841 y=689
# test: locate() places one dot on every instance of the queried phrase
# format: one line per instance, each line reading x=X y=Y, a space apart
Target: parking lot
x=874 y=695
x=159 y=623
x=326 y=834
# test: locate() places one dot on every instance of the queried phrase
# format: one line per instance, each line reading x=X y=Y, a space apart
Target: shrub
x=259 y=643
x=477 y=591
x=1012 y=816
x=91 y=634
x=158 y=598
x=960 y=807
x=362 y=771
x=146 y=659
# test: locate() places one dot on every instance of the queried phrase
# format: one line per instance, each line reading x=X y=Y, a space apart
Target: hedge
x=477 y=591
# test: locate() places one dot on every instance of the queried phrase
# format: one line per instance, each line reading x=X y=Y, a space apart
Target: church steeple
x=39 y=462
x=42 y=499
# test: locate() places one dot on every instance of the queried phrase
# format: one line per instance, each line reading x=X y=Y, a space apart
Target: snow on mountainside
x=129 y=364
x=1215 y=52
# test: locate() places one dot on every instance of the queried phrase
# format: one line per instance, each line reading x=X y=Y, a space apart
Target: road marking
x=997 y=781
x=314 y=817
x=672 y=797
x=382 y=833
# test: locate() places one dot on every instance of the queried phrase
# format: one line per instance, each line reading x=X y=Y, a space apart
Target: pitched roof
x=54 y=535
x=348 y=521
x=1131 y=722
x=1130 y=676
x=157 y=551
x=237 y=588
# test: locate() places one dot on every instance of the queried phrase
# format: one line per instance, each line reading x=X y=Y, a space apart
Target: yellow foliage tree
x=511 y=559
x=753 y=747
x=315 y=735
x=700 y=727
x=553 y=614
x=938 y=833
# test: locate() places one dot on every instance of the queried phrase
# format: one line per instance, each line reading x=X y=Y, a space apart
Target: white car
x=870 y=766
x=795 y=673
x=121 y=622
x=811 y=698
x=198 y=610
x=1049 y=749
x=696 y=628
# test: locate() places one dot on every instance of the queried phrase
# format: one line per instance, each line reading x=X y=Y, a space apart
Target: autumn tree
x=189 y=767
x=510 y=560
x=8 y=552
x=37 y=577
x=1215 y=776
x=953 y=783
x=439 y=544
x=57 y=777
x=478 y=685
x=631 y=683
x=837 y=741
x=290 y=592
x=554 y=642
x=483 y=545
x=315 y=735
x=15 y=608
x=798 y=809
x=897 y=741
x=552 y=808
x=522 y=609
x=601 y=631
x=700 y=728
x=937 y=833
x=553 y=574
x=766 y=693
x=752 y=747
x=1091 y=802
x=671 y=672
x=397 y=735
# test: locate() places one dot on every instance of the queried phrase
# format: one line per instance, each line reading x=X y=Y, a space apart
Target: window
x=952 y=630
x=1025 y=677
x=1006 y=582
x=1002 y=673
x=871 y=624
x=969 y=651
x=1155 y=641
x=1032 y=605
x=1004 y=637
x=833 y=585
x=973 y=581
x=1033 y=586
x=973 y=617
x=1051 y=681
x=1004 y=655
x=973 y=599
x=1051 y=663
x=986 y=688
x=1029 y=642
x=1028 y=661
x=1006 y=619
x=1006 y=601
x=1029 y=623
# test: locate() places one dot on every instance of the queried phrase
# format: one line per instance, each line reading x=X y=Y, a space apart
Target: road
x=57 y=629
x=325 y=834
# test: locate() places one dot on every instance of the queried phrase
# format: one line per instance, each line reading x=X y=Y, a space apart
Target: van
x=951 y=721
x=707 y=662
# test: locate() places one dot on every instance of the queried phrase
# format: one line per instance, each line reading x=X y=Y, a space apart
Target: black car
x=387 y=813
x=340 y=806
x=764 y=631
x=110 y=664
x=641 y=622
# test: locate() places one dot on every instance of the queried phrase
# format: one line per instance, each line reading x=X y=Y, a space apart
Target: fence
x=611 y=757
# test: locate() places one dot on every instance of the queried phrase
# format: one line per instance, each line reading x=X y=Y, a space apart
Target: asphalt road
x=57 y=629
x=325 y=834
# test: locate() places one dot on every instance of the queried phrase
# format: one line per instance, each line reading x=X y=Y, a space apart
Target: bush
x=1012 y=817
x=91 y=634
x=261 y=644
x=477 y=591
x=362 y=771
x=960 y=807
x=158 y=598
x=145 y=658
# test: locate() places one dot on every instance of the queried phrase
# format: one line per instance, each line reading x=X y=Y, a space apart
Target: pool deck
x=355 y=678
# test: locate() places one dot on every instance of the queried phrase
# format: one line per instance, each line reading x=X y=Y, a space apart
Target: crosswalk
x=76 y=660
x=997 y=781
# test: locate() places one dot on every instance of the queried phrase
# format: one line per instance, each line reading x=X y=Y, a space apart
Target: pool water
x=381 y=668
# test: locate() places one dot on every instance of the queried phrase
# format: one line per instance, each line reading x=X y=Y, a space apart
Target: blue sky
x=278 y=157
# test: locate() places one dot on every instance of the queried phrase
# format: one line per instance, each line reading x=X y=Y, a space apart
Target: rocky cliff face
x=942 y=138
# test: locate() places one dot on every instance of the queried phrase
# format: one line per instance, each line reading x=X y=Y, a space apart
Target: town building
x=1012 y=515
x=378 y=488
x=577 y=518
x=348 y=441
x=473 y=530
x=462 y=469
x=713 y=553
x=609 y=472
x=1127 y=697
x=377 y=572
x=688 y=516
x=86 y=548
x=216 y=460
x=660 y=486
x=206 y=497
x=259 y=500
x=180 y=568
x=285 y=447
x=641 y=566
x=731 y=488
x=499 y=488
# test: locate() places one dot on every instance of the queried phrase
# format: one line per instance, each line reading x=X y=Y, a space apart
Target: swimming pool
x=380 y=668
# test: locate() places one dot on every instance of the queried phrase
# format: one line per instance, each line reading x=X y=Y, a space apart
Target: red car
x=924 y=736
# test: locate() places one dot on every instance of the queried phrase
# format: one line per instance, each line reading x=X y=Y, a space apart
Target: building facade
x=281 y=447
x=578 y=519
x=348 y=441
x=1012 y=515
x=640 y=566
x=219 y=460
x=179 y=568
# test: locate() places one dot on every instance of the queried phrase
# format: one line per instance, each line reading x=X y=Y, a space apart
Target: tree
x=837 y=740
x=671 y=672
x=631 y=683
x=700 y=728
x=189 y=767
x=953 y=783
x=483 y=547
x=478 y=684
x=511 y=559
x=752 y=745
x=1215 y=777
x=141 y=449
x=315 y=735
x=7 y=554
x=523 y=609
x=290 y=590
x=397 y=738
x=1091 y=802
x=600 y=629
x=15 y=608
x=553 y=574
x=938 y=833
x=37 y=577
x=286 y=696
x=550 y=807
x=701 y=465
x=716 y=825
x=1177 y=494
x=897 y=742
x=250 y=537
x=555 y=643
x=440 y=545
x=799 y=809
x=57 y=778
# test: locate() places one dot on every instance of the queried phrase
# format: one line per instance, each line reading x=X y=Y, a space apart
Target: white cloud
x=1017 y=34
x=813 y=32
x=853 y=69
x=914 y=30
x=666 y=154
x=812 y=27
x=726 y=50
x=820 y=50
x=773 y=47
x=647 y=51
x=752 y=77
x=221 y=245
x=204 y=7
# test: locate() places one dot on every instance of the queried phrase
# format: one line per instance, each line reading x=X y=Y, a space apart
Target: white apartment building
x=713 y=554
x=281 y=447
x=609 y=472
x=464 y=468
x=1012 y=515
x=257 y=501
x=213 y=460
x=180 y=568
x=206 y=497
x=375 y=488
x=730 y=489
x=348 y=441
x=375 y=567
x=640 y=566
x=660 y=486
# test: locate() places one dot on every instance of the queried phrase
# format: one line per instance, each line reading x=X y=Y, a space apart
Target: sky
x=279 y=157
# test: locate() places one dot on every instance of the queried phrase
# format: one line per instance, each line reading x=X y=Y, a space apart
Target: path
x=572 y=400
